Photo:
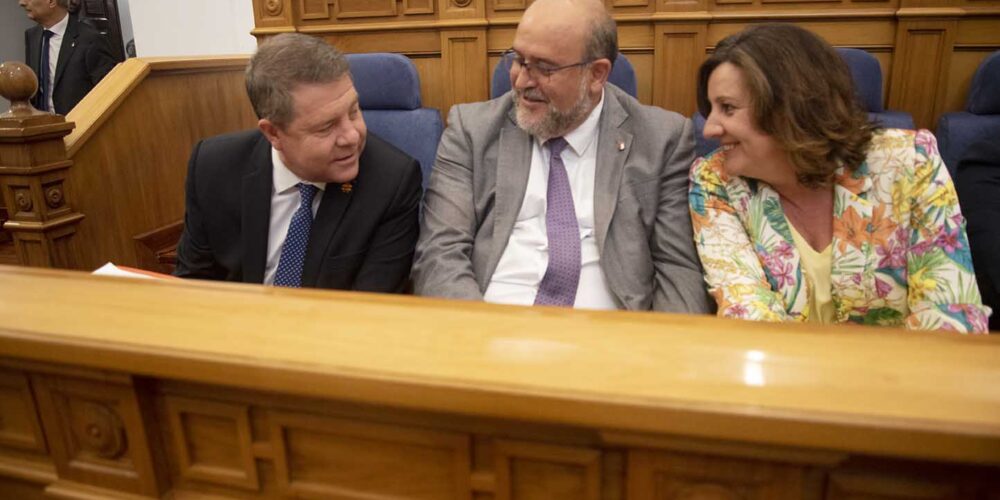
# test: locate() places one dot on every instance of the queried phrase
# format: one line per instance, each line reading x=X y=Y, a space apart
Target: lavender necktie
x=558 y=286
x=293 y=250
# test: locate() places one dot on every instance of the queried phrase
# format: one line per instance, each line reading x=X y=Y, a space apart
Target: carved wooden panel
x=96 y=433
x=920 y=69
x=349 y=459
x=531 y=471
x=314 y=9
x=350 y=9
x=501 y=5
x=273 y=13
x=681 y=476
x=679 y=51
x=19 y=426
x=850 y=486
x=465 y=72
x=213 y=442
x=411 y=7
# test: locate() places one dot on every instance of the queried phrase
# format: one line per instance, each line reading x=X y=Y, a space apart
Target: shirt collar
x=580 y=138
x=60 y=27
x=284 y=179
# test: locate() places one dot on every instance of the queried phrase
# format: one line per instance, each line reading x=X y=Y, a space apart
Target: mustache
x=533 y=94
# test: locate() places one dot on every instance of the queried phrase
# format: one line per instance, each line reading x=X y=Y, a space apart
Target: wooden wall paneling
x=311 y=10
x=343 y=458
x=414 y=7
x=920 y=68
x=854 y=486
x=508 y=5
x=665 y=475
x=349 y=9
x=273 y=14
x=643 y=62
x=964 y=63
x=19 y=425
x=409 y=42
x=212 y=442
x=431 y=89
x=464 y=67
x=679 y=50
x=462 y=9
x=533 y=471
x=97 y=434
x=682 y=5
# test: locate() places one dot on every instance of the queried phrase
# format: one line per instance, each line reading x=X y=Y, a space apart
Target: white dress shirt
x=285 y=200
x=526 y=257
x=55 y=43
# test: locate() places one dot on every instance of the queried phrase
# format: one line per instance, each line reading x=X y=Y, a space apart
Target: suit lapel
x=66 y=50
x=34 y=42
x=613 y=147
x=513 y=166
x=256 y=212
x=331 y=211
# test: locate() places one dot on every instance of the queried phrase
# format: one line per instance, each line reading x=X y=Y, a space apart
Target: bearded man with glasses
x=565 y=191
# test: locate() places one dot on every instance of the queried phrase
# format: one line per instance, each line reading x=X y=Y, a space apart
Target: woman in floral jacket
x=808 y=212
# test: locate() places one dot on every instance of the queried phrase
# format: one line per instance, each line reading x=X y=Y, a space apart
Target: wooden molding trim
x=102 y=101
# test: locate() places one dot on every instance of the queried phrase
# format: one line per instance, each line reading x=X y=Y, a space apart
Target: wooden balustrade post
x=33 y=167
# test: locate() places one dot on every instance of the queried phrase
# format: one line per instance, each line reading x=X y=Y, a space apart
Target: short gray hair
x=284 y=62
x=602 y=43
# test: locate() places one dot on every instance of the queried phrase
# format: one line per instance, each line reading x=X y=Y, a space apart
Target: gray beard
x=554 y=123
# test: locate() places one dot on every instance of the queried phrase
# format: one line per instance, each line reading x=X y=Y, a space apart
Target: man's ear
x=270 y=131
x=600 y=70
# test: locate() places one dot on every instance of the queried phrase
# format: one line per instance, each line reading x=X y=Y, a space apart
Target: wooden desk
x=197 y=389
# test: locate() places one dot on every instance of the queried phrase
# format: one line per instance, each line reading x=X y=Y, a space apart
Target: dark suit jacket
x=977 y=180
x=360 y=240
x=84 y=58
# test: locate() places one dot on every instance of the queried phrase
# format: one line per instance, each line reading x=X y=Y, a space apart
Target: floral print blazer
x=900 y=252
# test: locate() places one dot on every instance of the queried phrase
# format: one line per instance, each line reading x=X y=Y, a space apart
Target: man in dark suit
x=309 y=198
x=68 y=57
x=977 y=180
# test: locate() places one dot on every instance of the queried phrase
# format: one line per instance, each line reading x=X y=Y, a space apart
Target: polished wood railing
x=151 y=388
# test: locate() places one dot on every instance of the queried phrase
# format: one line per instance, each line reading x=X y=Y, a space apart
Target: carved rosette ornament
x=23 y=200
x=461 y=3
x=100 y=431
x=273 y=7
x=54 y=197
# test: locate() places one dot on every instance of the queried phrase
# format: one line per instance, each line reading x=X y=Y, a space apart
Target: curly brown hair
x=802 y=95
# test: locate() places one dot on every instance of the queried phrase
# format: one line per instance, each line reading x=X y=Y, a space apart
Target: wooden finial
x=17 y=84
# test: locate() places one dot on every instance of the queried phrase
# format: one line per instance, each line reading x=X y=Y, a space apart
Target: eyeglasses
x=536 y=70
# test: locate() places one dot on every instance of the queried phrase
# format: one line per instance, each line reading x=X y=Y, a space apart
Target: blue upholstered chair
x=622 y=75
x=867 y=75
x=389 y=94
x=981 y=118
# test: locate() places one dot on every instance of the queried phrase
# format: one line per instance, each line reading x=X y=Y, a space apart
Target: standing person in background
x=807 y=212
x=69 y=57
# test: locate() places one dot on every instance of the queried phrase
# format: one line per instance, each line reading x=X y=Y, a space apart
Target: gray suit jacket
x=642 y=224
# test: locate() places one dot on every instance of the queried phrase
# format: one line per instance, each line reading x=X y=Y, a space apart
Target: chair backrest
x=867 y=75
x=622 y=75
x=389 y=94
x=981 y=119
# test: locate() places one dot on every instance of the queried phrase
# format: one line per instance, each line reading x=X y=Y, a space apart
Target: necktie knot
x=307 y=192
x=48 y=34
x=557 y=145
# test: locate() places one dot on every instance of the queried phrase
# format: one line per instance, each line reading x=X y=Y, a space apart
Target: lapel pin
x=72 y=45
x=346 y=187
x=621 y=146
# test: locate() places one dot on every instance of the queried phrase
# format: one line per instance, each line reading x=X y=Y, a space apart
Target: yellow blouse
x=816 y=266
